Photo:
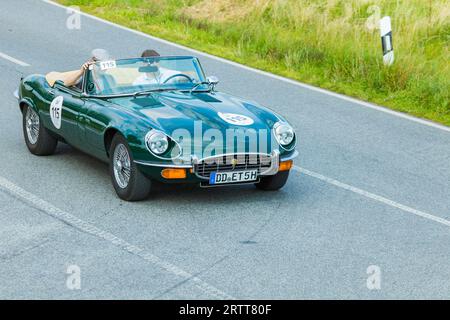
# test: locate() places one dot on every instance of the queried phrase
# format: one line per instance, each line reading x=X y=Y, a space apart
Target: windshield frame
x=196 y=63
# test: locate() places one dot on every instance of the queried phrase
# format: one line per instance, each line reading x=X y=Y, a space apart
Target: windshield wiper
x=147 y=92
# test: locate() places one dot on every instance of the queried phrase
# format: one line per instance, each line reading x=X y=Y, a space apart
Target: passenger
x=74 y=78
x=70 y=78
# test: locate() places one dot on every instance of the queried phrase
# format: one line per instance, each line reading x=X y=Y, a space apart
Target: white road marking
x=373 y=196
x=14 y=60
x=89 y=228
x=267 y=74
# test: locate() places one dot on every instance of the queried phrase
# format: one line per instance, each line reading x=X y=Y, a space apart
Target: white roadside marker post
x=386 y=40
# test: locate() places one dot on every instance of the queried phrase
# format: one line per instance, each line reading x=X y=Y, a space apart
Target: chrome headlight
x=157 y=142
x=284 y=133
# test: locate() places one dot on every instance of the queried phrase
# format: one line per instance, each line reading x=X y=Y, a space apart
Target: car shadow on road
x=98 y=170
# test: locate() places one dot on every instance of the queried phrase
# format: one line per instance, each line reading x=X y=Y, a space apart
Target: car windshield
x=130 y=76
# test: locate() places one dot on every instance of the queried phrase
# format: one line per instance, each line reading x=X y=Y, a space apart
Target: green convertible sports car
x=159 y=118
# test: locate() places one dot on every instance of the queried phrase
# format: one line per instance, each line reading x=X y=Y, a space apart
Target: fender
x=29 y=102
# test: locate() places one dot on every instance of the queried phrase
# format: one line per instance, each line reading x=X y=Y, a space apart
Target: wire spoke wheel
x=122 y=166
x=128 y=181
x=32 y=126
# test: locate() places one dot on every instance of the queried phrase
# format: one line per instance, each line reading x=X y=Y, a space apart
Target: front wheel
x=272 y=183
x=37 y=138
x=130 y=184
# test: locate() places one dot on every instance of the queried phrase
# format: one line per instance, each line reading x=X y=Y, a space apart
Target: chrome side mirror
x=213 y=81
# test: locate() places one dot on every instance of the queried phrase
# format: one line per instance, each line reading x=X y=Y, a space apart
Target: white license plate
x=233 y=176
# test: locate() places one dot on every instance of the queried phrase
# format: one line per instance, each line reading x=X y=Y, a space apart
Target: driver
x=159 y=76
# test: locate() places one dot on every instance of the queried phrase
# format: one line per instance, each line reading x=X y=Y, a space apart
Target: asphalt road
x=370 y=189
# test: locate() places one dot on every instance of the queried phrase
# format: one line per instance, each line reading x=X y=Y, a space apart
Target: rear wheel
x=37 y=138
x=272 y=183
x=130 y=184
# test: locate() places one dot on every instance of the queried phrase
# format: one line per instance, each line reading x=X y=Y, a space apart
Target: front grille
x=239 y=162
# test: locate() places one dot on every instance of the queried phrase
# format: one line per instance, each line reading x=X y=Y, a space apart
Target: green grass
x=324 y=43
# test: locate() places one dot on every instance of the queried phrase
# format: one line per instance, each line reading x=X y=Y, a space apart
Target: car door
x=95 y=122
x=66 y=113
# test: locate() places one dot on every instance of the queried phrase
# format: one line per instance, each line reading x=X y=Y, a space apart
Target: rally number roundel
x=236 y=119
x=56 y=111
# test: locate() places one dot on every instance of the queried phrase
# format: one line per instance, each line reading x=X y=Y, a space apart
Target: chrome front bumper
x=194 y=161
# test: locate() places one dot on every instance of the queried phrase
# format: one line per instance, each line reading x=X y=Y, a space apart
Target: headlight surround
x=157 y=142
x=284 y=133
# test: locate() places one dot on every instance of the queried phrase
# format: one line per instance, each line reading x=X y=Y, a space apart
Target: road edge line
x=13 y=60
x=372 y=196
x=91 y=229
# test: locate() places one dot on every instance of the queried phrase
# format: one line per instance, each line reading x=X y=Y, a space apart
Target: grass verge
x=332 y=44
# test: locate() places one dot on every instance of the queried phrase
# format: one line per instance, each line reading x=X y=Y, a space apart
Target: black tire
x=273 y=183
x=45 y=144
x=138 y=186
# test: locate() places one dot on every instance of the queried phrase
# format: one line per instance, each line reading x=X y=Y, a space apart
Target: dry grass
x=219 y=10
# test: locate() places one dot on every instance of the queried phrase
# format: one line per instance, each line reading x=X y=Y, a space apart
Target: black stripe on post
x=386 y=42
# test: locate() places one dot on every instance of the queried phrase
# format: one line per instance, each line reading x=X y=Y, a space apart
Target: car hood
x=170 y=111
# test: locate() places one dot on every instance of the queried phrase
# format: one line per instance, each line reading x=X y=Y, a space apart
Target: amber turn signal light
x=285 y=165
x=174 y=173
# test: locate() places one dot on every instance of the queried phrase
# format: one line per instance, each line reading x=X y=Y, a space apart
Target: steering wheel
x=178 y=75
